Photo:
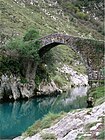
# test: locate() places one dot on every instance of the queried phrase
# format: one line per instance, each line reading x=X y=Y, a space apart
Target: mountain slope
x=49 y=17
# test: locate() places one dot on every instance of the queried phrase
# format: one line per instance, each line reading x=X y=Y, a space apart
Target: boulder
x=48 y=88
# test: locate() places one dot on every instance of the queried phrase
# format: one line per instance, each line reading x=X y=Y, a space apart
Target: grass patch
x=101 y=136
x=48 y=136
x=80 y=137
x=58 y=80
x=16 y=18
x=47 y=121
x=89 y=125
x=98 y=94
x=100 y=100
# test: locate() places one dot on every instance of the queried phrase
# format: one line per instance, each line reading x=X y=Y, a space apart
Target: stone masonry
x=91 y=51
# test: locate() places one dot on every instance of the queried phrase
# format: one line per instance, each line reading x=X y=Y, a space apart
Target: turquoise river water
x=16 y=117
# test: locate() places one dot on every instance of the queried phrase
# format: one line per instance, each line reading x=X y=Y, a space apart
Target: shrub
x=58 y=80
x=48 y=136
x=9 y=65
x=23 y=53
x=82 y=15
x=24 y=49
x=98 y=94
x=101 y=136
x=71 y=7
x=31 y=34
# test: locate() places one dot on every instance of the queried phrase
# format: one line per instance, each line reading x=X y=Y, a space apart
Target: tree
x=27 y=50
x=31 y=34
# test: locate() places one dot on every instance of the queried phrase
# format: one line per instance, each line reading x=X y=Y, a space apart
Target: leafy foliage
x=101 y=136
x=31 y=35
x=25 y=49
x=9 y=65
x=20 y=52
x=58 y=80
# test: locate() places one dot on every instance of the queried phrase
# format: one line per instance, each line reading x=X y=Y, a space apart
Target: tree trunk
x=31 y=70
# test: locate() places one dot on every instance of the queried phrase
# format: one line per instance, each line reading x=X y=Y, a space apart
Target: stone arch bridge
x=90 y=50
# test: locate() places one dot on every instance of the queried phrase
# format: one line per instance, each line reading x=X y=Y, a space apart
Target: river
x=16 y=117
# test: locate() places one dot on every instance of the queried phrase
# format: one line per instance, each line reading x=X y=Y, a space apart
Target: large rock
x=75 y=78
x=12 y=88
x=48 y=88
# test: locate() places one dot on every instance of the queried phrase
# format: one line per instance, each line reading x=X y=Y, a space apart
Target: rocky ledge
x=11 y=88
x=14 y=88
x=85 y=123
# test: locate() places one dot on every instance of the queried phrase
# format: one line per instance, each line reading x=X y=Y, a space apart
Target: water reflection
x=16 y=117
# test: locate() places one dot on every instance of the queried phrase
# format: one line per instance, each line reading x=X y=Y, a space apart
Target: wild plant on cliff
x=26 y=50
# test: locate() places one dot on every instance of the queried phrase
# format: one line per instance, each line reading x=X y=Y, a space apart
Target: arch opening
x=65 y=62
x=48 y=47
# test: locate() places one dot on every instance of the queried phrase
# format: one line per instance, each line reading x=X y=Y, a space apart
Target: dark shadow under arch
x=46 y=48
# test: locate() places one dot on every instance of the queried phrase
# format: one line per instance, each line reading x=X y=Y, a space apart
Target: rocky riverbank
x=14 y=88
x=11 y=88
x=85 y=123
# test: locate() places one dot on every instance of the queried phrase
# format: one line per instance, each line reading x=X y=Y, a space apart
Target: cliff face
x=11 y=88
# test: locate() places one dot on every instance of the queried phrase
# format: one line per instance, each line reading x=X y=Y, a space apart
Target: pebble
x=87 y=135
x=93 y=128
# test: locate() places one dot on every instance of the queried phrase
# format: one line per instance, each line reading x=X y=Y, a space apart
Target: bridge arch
x=86 y=48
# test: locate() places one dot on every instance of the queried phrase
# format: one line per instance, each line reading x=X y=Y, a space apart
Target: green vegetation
x=89 y=125
x=82 y=15
x=47 y=121
x=48 y=136
x=101 y=136
x=57 y=61
x=16 y=18
x=67 y=17
x=98 y=94
x=58 y=80
x=70 y=7
x=9 y=65
x=27 y=50
x=31 y=35
x=20 y=54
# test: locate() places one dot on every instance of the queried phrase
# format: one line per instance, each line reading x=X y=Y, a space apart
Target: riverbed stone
x=48 y=88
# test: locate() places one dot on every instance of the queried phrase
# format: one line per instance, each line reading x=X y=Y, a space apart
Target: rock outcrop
x=46 y=88
x=12 y=88
x=75 y=78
